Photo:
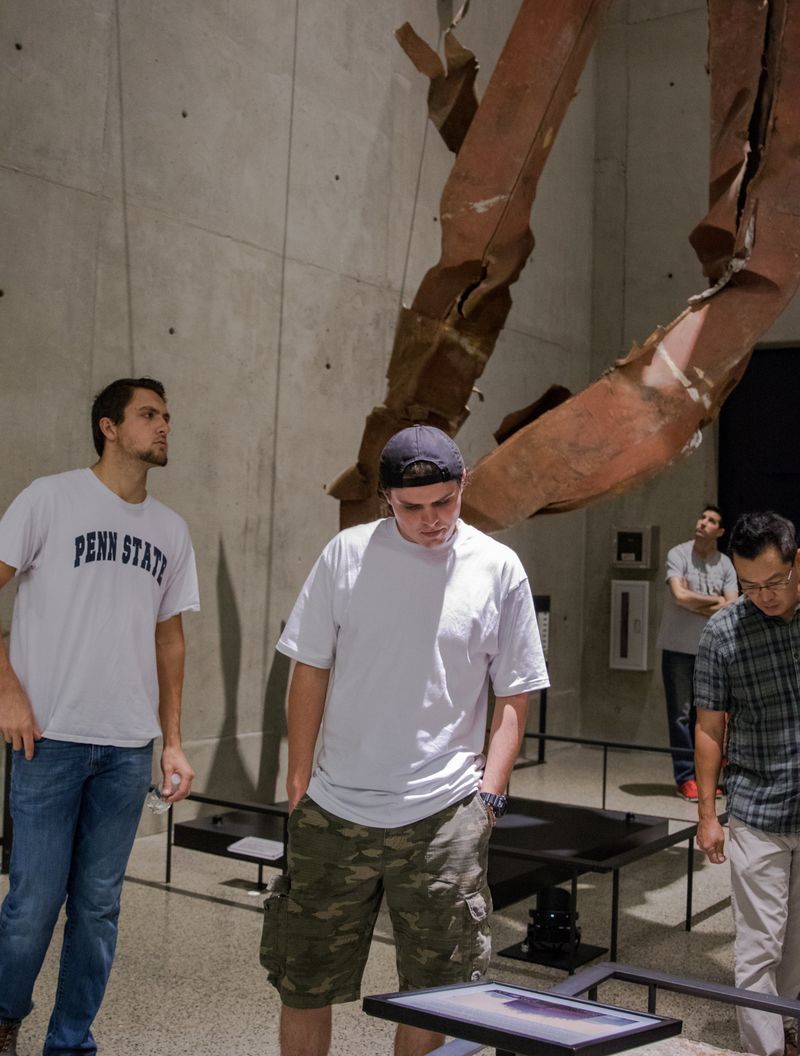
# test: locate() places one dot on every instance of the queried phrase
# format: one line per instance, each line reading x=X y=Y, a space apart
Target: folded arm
x=702 y=604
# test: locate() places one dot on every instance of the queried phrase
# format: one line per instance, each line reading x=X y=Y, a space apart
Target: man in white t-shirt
x=397 y=634
x=93 y=675
x=700 y=582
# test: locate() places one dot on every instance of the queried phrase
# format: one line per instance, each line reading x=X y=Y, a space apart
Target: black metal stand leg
x=168 y=873
x=689 y=884
x=573 y=924
x=614 y=913
x=605 y=773
x=651 y=998
x=542 y=724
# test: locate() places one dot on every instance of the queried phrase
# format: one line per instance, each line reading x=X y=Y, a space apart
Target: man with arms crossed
x=747 y=665
x=701 y=581
x=95 y=673
x=397 y=633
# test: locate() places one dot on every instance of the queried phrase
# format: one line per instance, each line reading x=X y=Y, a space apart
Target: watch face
x=498 y=803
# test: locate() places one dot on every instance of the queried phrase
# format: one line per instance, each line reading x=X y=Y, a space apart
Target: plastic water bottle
x=155 y=801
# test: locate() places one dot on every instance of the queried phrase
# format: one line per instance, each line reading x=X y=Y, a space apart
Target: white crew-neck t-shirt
x=413 y=636
x=95 y=574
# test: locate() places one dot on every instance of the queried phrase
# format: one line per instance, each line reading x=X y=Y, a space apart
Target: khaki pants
x=765 y=889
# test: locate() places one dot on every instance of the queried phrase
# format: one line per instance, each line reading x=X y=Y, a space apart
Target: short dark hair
x=427 y=471
x=714 y=509
x=754 y=533
x=112 y=401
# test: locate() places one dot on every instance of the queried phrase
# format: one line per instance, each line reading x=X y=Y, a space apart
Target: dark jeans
x=75 y=809
x=677 y=671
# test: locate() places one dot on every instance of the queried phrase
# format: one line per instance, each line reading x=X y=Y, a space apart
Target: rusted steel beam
x=736 y=41
x=451 y=97
x=647 y=410
x=514 y=421
x=444 y=340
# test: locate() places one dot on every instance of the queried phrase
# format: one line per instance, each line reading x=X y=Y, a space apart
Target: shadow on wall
x=228 y=775
x=273 y=728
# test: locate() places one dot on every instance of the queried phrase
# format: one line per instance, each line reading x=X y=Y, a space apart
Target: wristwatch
x=496 y=803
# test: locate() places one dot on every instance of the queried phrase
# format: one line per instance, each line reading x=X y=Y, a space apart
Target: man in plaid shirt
x=748 y=665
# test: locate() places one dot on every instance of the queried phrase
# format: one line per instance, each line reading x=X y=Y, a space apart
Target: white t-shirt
x=95 y=574
x=680 y=629
x=413 y=635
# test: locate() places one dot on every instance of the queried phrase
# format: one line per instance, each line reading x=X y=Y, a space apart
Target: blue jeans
x=75 y=809
x=677 y=671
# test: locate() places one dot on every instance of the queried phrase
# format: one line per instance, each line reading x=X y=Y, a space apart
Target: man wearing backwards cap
x=396 y=634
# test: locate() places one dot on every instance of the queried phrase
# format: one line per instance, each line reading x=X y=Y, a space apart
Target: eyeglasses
x=776 y=583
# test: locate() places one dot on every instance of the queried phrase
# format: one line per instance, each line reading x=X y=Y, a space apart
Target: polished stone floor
x=187 y=978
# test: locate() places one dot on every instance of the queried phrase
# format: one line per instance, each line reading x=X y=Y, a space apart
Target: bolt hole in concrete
x=336 y=176
x=2 y=293
x=18 y=46
x=172 y=329
x=184 y=113
x=327 y=366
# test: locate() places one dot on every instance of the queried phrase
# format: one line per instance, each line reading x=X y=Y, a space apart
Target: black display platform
x=539 y=844
x=214 y=834
x=565 y=837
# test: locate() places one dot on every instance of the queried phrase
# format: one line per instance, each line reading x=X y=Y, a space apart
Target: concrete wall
x=234 y=198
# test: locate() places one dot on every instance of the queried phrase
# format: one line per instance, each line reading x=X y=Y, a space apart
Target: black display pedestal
x=554 y=958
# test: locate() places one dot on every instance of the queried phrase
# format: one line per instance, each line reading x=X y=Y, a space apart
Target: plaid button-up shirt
x=748 y=664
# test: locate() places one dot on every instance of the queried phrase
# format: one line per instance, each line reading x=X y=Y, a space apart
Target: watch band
x=497 y=803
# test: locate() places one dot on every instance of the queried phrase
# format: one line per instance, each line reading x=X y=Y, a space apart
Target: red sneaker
x=688 y=790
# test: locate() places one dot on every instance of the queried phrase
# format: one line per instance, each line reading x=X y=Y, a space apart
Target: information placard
x=530 y=1022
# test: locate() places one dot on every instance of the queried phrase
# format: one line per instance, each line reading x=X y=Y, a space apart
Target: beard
x=154 y=456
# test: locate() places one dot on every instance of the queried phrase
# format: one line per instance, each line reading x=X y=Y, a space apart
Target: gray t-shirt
x=680 y=629
x=95 y=575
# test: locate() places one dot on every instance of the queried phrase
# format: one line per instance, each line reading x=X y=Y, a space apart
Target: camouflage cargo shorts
x=319 y=918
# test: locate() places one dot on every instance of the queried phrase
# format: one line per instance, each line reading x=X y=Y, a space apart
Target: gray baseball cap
x=420 y=443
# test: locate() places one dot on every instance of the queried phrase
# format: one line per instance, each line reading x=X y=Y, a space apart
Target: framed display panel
x=632 y=547
x=628 y=632
x=529 y=1022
